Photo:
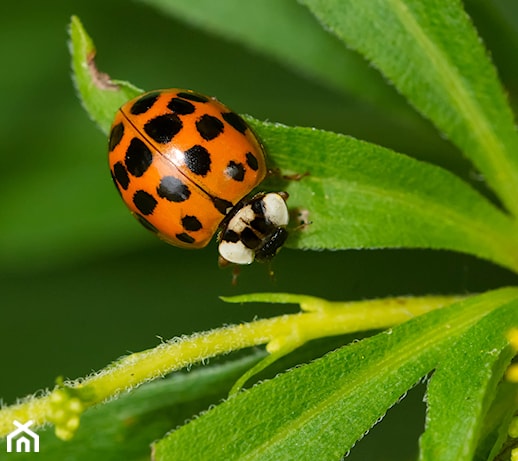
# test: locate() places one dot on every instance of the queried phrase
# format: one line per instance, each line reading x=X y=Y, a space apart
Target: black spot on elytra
x=173 y=189
x=235 y=171
x=143 y=104
x=197 y=159
x=144 y=202
x=251 y=161
x=185 y=238
x=235 y=121
x=221 y=205
x=146 y=223
x=180 y=106
x=196 y=97
x=138 y=157
x=191 y=223
x=209 y=127
x=116 y=184
x=163 y=128
x=116 y=135
x=120 y=175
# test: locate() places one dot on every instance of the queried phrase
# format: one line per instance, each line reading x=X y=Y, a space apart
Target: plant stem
x=319 y=319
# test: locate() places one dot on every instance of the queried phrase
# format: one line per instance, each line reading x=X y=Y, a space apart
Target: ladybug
x=184 y=165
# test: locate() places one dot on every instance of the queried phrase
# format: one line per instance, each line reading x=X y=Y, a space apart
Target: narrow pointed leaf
x=101 y=96
x=287 y=32
x=123 y=428
x=431 y=52
x=359 y=195
x=496 y=423
x=463 y=387
x=318 y=411
x=356 y=195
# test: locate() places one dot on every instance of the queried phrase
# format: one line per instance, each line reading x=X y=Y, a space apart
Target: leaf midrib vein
x=403 y=353
x=452 y=83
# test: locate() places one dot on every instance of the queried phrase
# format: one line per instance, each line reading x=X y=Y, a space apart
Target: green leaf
x=464 y=385
x=431 y=52
x=318 y=411
x=101 y=96
x=496 y=423
x=287 y=32
x=359 y=195
x=124 y=428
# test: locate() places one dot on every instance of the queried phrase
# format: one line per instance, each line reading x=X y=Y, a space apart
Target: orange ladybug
x=184 y=164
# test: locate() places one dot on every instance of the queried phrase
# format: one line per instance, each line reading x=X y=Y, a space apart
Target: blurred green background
x=82 y=283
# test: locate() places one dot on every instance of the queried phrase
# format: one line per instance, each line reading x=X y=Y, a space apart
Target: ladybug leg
x=287 y=177
x=222 y=262
x=236 y=270
x=296 y=176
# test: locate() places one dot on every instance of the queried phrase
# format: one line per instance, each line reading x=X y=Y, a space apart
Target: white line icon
x=23 y=438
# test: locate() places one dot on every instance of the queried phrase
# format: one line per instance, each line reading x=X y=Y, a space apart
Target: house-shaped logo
x=23 y=439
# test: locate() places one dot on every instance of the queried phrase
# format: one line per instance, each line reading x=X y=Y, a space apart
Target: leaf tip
x=99 y=94
x=83 y=54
